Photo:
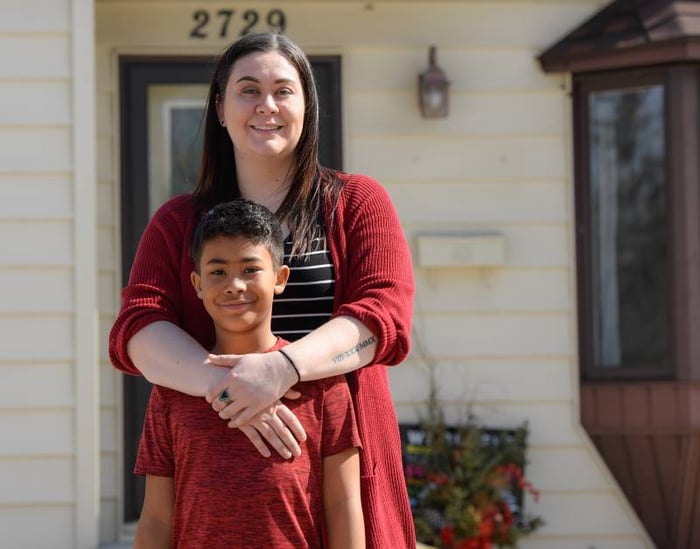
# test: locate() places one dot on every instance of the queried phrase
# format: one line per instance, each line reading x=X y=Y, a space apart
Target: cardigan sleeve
x=153 y=291
x=378 y=280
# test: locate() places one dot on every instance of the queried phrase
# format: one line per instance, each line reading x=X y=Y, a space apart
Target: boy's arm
x=342 y=502
x=155 y=526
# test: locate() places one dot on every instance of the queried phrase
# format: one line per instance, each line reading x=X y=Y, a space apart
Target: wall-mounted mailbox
x=478 y=249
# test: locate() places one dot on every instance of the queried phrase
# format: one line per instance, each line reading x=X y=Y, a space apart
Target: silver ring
x=223 y=397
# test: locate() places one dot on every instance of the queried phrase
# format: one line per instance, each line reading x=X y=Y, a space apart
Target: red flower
x=439 y=479
x=486 y=526
x=474 y=543
x=447 y=536
x=514 y=472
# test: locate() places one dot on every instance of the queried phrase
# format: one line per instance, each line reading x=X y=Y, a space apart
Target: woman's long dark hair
x=303 y=207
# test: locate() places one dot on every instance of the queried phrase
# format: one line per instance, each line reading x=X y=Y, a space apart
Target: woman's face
x=263 y=106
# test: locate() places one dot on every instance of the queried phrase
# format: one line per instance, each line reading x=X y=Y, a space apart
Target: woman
x=351 y=274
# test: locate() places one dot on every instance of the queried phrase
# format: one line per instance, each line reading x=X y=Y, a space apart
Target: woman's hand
x=280 y=427
x=248 y=397
x=254 y=383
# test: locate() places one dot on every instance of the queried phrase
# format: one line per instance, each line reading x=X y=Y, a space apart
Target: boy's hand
x=279 y=427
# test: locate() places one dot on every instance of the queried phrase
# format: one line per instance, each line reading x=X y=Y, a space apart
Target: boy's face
x=237 y=281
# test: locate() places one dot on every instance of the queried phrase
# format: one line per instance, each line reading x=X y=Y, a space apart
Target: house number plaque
x=230 y=23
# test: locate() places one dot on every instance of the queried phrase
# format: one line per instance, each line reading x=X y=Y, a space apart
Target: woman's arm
x=342 y=502
x=341 y=345
x=372 y=320
x=147 y=339
x=155 y=527
x=168 y=356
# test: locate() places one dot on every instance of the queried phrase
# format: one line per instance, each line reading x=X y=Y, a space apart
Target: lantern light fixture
x=433 y=89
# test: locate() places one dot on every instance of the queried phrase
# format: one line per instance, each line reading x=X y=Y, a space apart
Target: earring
x=223 y=124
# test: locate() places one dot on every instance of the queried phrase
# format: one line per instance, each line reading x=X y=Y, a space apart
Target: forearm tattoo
x=354 y=350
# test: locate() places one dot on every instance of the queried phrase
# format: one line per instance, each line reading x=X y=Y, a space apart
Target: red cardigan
x=374 y=284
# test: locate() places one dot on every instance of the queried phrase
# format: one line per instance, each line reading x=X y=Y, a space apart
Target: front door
x=161 y=119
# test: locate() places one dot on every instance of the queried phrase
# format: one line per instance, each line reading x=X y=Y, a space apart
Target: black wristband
x=291 y=363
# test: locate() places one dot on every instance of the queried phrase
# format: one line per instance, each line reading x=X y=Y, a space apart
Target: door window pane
x=628 y=227
x=175 y=139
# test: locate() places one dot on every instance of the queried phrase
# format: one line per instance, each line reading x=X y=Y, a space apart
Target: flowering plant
x=470 y=485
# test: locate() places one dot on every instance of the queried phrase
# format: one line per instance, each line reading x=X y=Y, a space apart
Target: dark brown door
x=161 y=120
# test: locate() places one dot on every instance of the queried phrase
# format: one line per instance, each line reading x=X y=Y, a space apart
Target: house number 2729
x=218 y=23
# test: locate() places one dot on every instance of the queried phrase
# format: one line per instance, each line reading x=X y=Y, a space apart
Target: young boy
x=206 y=485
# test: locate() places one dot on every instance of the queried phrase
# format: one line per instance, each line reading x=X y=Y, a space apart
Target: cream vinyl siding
x=47 y=446
x=502 y=339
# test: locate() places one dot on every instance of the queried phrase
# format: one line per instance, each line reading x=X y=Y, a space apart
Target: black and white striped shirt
x=307 y=301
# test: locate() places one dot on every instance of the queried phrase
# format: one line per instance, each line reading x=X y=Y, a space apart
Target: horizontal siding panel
x=471 y=114
x=530 y=246
x=457 y=25
x=476 y=159
x=110 y=520
x=57 y=376
x=29 y=338
x=345 y=24
x=108 y=430
x=409 y=382
x=550 y=469
x=36 y=197
x=105 y=325
x=470 y=70
x=106 y=293
x=105 y=158
x=35 y=16
x=409 y=412
x=106 y=249
x=37 y=527
x=37 y=481
x=521 y=380
x=35 y=57
x=104 y=73
x=35 y=150
x=109 y=475
x=492 y=290
x=473 y=203
x=35 y=103
x=41 y=244
x=32 y=432
x=106 y=204
x=28 y=290
x=545 y=246
x=582 y=514
x=105 y=113
x=550 y=424
x=497 y=335
x=492 y=380
x=537 y=541
x=108 y=384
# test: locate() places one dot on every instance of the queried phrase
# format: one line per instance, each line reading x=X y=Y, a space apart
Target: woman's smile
x=263 y=106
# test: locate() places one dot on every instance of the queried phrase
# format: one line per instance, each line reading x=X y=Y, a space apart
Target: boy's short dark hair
x=240 y=217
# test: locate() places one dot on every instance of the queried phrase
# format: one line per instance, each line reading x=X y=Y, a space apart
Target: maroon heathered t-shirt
x=226 y=494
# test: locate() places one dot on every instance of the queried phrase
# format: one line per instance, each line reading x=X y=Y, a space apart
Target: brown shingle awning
x=629 y=33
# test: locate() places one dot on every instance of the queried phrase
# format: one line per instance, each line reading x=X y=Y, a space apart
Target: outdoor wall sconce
x=433 y=89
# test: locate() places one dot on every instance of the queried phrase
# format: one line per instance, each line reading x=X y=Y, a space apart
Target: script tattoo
x=354 y=350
